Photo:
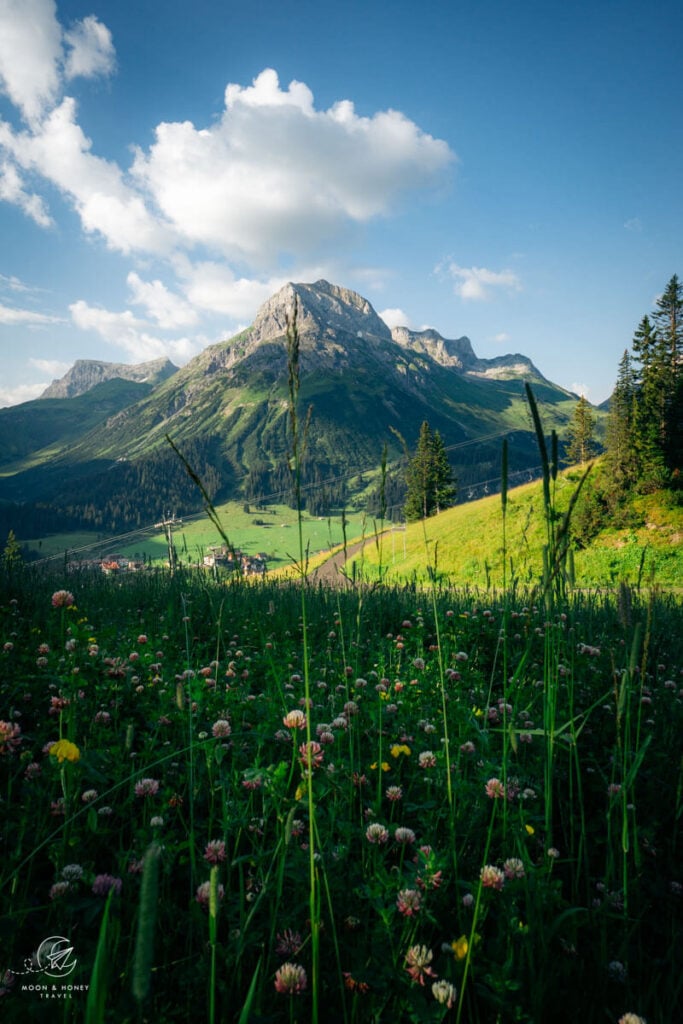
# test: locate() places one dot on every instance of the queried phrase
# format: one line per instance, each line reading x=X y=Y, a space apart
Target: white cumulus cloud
x=30 y=51
x=127 y=332
x=395 y=317
x=60 y=152
x=33 y=64
x=51 y=367
x=12 y=191
x=11 y=315
x=478 y=283
x=20 y=393
x=266 y=184
x=213 y=287
x=276 y=175
x=580 y=389
x=168 y=309
x=91 y=49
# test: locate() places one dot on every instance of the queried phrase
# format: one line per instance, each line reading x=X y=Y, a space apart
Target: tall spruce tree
x=652 y=378
x=445 y=488
x=621 y=457
x=668 y=316
x=429 y=477
x=580 y=447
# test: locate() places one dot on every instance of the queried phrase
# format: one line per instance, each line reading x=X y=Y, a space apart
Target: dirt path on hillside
x=329 y=573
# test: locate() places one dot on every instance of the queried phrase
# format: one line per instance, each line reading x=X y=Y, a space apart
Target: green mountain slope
x=36 y=432
x=465 y=543
x=227 y=411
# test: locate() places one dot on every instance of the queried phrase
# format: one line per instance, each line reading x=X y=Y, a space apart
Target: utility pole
x=167 y=524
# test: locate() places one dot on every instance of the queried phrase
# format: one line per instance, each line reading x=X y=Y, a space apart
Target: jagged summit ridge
x=88 y=373
x=326 y=313
x=322 y=309
x=457 y=352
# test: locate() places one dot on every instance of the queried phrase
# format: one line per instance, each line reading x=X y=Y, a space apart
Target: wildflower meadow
x=263 y=802
x=259 y=802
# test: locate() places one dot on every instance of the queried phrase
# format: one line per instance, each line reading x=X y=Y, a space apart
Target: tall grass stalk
x=450 y=797
x=147 y=916
x=556 y=549
x=554 y=591
x=298 y=435
x=213 y=932
x=475 y=917
x=507 y=736
x=189 y=703
x=95 y=1007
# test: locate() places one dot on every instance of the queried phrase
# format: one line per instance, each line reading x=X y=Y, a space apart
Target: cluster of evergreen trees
x=645 y=430
x=124 y=496
x=644 y=440
x=324 y=488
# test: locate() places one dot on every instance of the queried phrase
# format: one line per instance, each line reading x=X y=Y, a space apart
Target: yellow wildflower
x=530 y=829
x=400 y=748
x=65 y=750
x=477 y=712
x=460 y=947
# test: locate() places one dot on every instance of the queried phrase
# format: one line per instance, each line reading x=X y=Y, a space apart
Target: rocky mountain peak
x=323 y=309
x=87 y=373
x=456 y=352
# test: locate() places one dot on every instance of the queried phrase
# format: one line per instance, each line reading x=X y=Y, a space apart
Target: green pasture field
x=273 y=530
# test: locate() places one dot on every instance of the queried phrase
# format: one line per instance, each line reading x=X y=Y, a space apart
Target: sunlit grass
x=469 y=550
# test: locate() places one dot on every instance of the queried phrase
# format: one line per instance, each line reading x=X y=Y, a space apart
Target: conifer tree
x=621 y=457
x=668 y=318
x=580 y=448
x=444 y=485
x=429 y=478
x=652 y=376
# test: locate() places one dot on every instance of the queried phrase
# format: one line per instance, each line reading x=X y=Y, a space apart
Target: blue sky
x=506 y=170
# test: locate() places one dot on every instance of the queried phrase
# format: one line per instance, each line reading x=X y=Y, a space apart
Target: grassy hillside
x=465 y=543
x=34 y=432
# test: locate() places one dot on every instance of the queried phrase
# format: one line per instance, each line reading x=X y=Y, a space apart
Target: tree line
x=644 y=437
x=645 y=432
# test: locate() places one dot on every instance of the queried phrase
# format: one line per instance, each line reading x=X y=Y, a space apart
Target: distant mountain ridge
x=459 y=354
x=88 y=373
x=227 y=409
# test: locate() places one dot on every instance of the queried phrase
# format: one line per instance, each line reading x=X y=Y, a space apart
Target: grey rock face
x=457 y=352
x=323 y=309
x=87 y=373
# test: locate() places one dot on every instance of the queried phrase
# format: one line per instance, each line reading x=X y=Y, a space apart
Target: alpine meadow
x=341 y=512
x=281 y=799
